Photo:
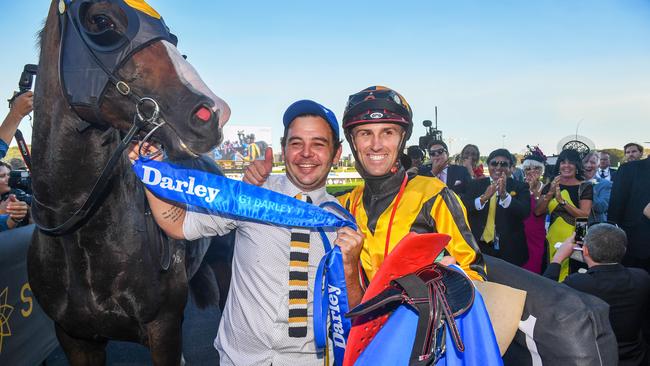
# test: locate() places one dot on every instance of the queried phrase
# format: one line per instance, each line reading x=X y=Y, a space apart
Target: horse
x=98 y=265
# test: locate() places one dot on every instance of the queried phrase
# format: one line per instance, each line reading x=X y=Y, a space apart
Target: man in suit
x=626 y=290
x=455 y=177
x=602 y=188
x=630 y=195
x=497 y=207
x=605 y=171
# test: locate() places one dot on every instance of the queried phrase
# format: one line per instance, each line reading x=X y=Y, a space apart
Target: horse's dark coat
x=103 y=281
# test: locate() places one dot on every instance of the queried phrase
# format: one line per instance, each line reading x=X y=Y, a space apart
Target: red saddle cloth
x=413 y=252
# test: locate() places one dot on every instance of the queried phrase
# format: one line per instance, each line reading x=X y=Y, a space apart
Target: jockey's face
x=309 y=152
x=377 y=146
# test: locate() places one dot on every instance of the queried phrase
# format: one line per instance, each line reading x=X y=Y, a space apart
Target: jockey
x=377 y=123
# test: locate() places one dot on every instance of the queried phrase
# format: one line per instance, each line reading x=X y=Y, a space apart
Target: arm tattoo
x=174 y=214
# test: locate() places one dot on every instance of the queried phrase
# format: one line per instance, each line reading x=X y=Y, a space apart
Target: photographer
x=12 y=211
x=21 y=107
x=626 y=290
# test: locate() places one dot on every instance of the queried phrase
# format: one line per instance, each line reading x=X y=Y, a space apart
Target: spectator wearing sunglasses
x=625 y=290
x=454 y=176
x=497 y=207
x=568 y=196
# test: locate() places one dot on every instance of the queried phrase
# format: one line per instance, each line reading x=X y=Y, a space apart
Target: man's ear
x=585 y=251
x=337 y=154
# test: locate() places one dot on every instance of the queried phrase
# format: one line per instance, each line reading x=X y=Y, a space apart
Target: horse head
x=118 y=60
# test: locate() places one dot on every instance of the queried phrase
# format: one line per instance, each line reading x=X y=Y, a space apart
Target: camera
x=25 y=82
x=432 y=134
x=20 y=182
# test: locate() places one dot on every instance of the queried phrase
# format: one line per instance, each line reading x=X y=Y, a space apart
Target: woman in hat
x=567 y=197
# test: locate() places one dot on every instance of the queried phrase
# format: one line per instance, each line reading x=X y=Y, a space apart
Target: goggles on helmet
x=377 y=104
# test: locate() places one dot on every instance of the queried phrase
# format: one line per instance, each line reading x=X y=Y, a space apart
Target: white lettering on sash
x=153 y=177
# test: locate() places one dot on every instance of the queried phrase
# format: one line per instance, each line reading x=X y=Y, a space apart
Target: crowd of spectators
x=530 y=222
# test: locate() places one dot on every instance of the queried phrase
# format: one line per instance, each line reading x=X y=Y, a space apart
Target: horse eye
x=103 y=22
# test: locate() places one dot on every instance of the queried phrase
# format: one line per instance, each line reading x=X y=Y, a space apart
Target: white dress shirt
x=254 y=325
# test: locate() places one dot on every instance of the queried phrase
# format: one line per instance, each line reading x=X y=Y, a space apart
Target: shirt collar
x=317 y=196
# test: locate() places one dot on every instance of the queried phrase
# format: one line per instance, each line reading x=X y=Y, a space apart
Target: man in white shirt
x=263 y=321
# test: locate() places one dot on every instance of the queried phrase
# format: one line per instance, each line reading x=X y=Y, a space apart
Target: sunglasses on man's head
x=437 y=152
x=503 y=164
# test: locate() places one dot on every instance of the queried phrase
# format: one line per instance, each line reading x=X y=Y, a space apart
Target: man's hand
x=23 y=105
x=17 y=210
x=147 y=150
x=437 y=166
x=489 y=192
x=646 y=210
x=259 y=170
x=501 y=187
x=565 y=250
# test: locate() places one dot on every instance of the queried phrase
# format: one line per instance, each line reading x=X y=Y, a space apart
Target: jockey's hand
x=259 y=170
x=350 y=242
x=147 y=150
x=447 y=260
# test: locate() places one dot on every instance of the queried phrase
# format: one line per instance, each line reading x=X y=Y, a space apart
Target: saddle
x=410 y=277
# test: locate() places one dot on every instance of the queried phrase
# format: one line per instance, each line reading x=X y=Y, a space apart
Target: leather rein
x=140 y=120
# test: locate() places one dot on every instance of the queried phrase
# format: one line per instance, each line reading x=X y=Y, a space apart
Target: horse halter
x=89 y=60
x=80 y=53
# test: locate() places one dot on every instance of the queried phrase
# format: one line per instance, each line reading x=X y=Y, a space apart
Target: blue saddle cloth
x=393 y=344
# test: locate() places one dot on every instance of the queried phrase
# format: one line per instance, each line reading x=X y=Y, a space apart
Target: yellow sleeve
x=450 y=218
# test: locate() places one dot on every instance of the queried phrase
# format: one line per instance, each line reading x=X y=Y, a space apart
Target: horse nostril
x=203 y=114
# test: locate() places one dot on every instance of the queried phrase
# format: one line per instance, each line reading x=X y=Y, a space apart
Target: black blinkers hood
x=88 y=61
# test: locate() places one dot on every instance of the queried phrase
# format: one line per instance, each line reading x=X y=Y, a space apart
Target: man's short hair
x=633 y=144
x=503 y=153
x=606 y=243
x=437 y=142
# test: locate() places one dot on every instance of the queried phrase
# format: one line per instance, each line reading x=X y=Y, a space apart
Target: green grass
x=335 y=188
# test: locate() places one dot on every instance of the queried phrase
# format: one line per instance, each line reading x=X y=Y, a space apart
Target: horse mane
x=39 y=36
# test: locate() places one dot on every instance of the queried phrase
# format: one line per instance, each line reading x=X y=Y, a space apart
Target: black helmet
x=378 y=104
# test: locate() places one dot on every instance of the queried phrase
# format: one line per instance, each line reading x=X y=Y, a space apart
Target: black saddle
x=438 y=294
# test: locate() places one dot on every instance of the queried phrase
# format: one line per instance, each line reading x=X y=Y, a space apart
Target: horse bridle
x=140 y=120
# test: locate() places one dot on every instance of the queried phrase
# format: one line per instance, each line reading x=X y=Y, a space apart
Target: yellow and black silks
x=426 y=205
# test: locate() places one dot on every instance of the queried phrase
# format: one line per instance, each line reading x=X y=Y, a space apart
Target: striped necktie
x=298 y=278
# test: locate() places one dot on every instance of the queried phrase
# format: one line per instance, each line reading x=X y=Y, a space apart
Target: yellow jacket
x=426 y=205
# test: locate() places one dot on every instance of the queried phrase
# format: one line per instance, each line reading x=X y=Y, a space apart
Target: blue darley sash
x=234 y=198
